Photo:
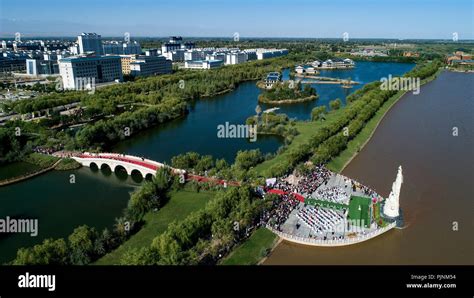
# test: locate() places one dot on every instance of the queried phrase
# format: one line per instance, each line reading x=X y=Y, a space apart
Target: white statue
x=391 y=207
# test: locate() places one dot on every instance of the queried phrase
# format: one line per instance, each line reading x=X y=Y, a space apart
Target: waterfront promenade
x=333 y=242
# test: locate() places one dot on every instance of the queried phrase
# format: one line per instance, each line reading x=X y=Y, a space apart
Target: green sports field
x=359 y=209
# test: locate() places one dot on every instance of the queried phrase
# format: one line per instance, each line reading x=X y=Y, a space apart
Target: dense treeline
x=53 y=99
x=219 y=168
x=17 y=138
x=12 y=147
x=205 y=235
x=287 y=91
x=106 y=132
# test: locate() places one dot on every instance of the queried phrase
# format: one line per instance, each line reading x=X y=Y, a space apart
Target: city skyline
x=211 y=18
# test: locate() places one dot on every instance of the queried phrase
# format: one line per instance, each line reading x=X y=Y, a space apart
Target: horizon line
x=11 y=36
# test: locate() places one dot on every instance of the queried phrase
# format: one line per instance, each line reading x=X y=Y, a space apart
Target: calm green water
x=96 y=199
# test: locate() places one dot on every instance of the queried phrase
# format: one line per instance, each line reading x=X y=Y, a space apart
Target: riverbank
x=339 y=163
x=28 y=175
x=254 y=249
x=41 y=163
x=326 y=80
x=263 y=99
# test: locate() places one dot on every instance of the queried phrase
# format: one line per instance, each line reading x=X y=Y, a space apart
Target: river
x=437 y=196
x=96 y=199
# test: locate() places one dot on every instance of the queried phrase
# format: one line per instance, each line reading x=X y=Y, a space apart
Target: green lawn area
x=41 y=160
x=306 y=130
x=253 y=249
x=359 y=210
x=180 y=205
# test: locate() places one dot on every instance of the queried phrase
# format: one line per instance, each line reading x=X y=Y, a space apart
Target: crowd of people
x=369 y=192
x=320 y=220
x=47 y=150
x=307 y=184
x=334 y=194
x=283 y=205
x=286 y=202
x=310 y=182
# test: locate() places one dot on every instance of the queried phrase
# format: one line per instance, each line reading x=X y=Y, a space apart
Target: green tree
x=335 y=104
x=50 y=252
x=247 y=159
x=318 y=113
x=81 y=243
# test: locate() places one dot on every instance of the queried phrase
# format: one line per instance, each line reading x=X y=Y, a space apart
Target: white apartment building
x=236 y=58
x=99 y=69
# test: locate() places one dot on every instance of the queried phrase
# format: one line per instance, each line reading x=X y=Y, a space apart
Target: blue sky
x=250 y=18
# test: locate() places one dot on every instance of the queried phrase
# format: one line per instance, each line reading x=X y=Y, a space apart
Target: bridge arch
x=93 y=166
x=136 y=172
x=122 y=168
x=105 y=166
x=149 y=177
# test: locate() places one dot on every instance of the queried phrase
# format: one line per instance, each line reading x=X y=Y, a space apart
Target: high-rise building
x=99 y=69
x=90 y=42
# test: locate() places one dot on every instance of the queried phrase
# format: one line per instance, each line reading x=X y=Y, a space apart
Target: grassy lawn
x=253 y=249
x=181 y=204
x=41 y=160
x=306 y=130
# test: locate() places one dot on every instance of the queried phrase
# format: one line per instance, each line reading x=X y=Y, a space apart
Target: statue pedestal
x=400 y=222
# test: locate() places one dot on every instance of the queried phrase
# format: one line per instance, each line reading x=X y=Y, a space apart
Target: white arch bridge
x=116 y=161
